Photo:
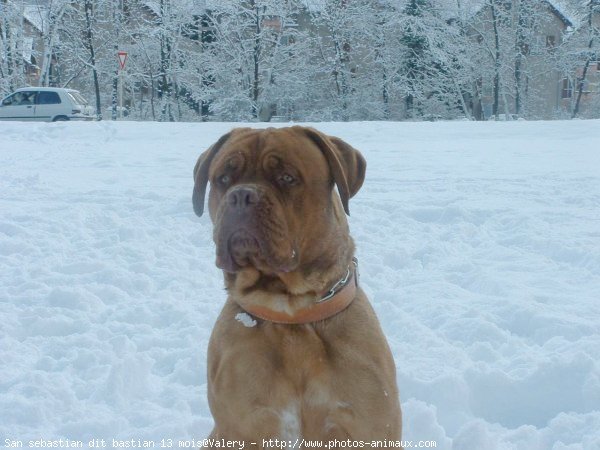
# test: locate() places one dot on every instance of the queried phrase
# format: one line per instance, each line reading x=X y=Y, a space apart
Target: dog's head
x=272 y=199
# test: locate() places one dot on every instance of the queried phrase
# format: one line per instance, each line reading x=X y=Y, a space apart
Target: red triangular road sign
x=122 y=58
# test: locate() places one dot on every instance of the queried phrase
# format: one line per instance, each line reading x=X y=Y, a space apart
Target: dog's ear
x=201 y=173
x=347 y=165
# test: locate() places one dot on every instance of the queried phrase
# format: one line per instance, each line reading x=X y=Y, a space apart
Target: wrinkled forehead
x=250 y=148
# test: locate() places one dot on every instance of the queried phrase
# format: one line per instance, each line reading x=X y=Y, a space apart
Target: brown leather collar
x=334 y=301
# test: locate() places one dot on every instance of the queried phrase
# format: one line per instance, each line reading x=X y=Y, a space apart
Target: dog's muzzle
x=251 y=231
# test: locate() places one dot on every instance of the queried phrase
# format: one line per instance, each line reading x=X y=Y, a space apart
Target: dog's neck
x=295 y=297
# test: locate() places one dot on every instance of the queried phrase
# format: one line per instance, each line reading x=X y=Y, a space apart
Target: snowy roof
x=567 y=10
x=36 y=15
x=452 y=9
x=559 y=9
x=194 y=6
x=314 y=5
x=473 y=7
x=152 y=6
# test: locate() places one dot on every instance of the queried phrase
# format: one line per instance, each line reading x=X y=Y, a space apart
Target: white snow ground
x=479 y=246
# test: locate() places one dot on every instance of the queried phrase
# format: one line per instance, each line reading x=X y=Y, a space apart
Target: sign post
x=122 y=55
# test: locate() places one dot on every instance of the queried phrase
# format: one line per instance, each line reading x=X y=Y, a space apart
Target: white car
x=46 y=105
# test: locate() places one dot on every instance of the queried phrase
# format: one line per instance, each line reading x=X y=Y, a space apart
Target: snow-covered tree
x=415 y=64
x=52 y=20
x=586 y=45
x=308 y=59
x=353 y=41
x=516 y=55
x=257 y=57
x=12 y=72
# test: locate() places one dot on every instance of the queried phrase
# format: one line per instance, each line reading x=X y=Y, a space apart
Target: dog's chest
x=307 y=368
x=312 y=413
x=284 y=379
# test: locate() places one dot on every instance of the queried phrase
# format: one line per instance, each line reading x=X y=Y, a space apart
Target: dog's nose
x=242 y=197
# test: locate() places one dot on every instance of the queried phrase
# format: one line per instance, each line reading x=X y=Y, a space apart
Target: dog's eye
x=224 y=179
x=286 y=178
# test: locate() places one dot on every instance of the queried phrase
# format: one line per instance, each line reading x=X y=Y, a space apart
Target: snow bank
x=479 y=246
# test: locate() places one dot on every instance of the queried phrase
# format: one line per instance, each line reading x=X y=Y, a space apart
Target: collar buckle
x=339 y=285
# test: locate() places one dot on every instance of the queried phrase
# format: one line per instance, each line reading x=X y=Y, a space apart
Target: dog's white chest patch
x=289 y=422
x=245 y=319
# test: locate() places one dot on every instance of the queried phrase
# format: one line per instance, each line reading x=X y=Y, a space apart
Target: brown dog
x=297 y=352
